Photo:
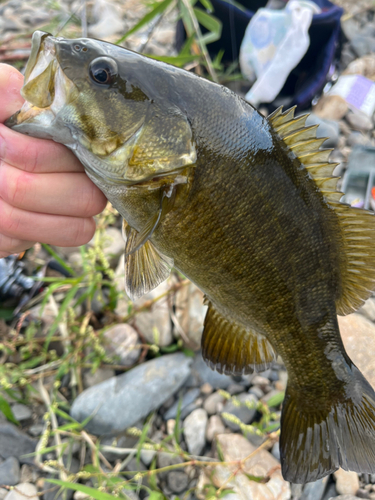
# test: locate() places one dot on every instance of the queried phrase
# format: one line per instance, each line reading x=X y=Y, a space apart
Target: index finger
x=36 y=155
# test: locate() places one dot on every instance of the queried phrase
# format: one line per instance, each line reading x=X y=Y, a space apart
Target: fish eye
x=103 y=70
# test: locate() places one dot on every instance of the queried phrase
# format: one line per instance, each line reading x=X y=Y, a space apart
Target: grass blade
x=92 y=492
x=159 y=9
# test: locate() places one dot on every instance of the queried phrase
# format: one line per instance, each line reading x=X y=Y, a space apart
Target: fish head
x=108 y=104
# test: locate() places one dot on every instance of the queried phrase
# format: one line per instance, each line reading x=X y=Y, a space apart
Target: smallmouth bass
x=246 y=207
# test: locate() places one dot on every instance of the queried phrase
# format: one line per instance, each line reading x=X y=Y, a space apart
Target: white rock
x=155 y=325
x=23 y=491
x=358 y=335
x=213 y=403
x=190 y=312
x=236 y=447
x=347 y=482
x=109 y=19
x=122 y=341
x=215 y=426
x=195 y=431
x=368 y=309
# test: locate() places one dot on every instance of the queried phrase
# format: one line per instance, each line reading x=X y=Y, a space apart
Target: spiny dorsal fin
x=306 y=146
x=145 y=268
x=357 y=225
x=233 y=349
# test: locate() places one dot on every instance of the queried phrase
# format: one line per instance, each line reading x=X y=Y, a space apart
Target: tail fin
x=316 y=442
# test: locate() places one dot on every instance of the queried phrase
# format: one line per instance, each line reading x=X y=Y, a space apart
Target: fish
x=244 y=206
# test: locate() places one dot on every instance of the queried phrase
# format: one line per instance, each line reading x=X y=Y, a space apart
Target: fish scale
x=246 y=207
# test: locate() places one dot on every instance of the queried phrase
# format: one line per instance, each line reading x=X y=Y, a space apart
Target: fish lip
x=36 y=44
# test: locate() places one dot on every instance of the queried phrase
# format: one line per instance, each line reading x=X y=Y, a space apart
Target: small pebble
x=10 y=472
x=347 y=483
x=206 y=389
x=21 y=412
x=215 y=426
x=177 y=481
x=211 y=405
x=195 y=431
x=23 y=490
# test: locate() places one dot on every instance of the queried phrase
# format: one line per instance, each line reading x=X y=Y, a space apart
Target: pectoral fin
x=145 y=268
x=230 y=348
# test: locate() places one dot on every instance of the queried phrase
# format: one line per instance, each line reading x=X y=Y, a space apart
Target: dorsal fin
x=230 y=348
x=357 y=225
x=306 y=146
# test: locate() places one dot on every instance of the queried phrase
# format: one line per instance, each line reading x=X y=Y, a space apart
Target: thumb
x=11 y=82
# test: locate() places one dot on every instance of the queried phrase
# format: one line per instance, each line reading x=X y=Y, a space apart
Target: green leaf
x=211 y=23
x=7 y=410
x=6 y=313
x=208 y=5
x=257 y=479
x=156 y=495
x=92 y=492
x=178 y=61
x=276 y=399
x=52 y=252
x=158 y=9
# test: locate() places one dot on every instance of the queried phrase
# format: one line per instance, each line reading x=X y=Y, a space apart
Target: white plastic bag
x=274 y=43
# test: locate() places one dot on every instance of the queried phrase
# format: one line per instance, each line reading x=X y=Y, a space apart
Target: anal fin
x=230 y=348
x=145 y=268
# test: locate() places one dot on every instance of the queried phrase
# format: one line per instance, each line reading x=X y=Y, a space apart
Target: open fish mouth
x=46 y=89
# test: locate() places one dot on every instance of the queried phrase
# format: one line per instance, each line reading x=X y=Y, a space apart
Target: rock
x=331 y=107
x=190 y=313
x=363 y=45
x=215 y=426
x=315 y=490
x=345 y=497
x=165 y=460
x=244 y=413
x=195 y=431
x=368 y=309
x=23 y=490
x=235 y=447
x=358 y=335
x=257 y=391
x=118 y=403
x=364 y=66
x=3 y=493
x=276 y=450
x=15 y=443
x=187 y=400
x=122 y=342
x=205 y=374
x=130 y=494
x=177 y=481
x=347 y=483
x=21 y=412
x=79 y=495
x=100 y=375
x=350 y=27
x=28 y=474
x=327 y=128
x=357 y=138
x=35 y=431
x=109 y=22
x=147 y=456
x=359 y=121
x=214 y=403
x=206 y=389
x=10 y=472
x=155 y=325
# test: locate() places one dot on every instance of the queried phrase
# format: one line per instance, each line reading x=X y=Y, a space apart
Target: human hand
x=45 y=195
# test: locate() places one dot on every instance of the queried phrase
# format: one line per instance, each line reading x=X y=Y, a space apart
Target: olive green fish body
x=244 y=206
